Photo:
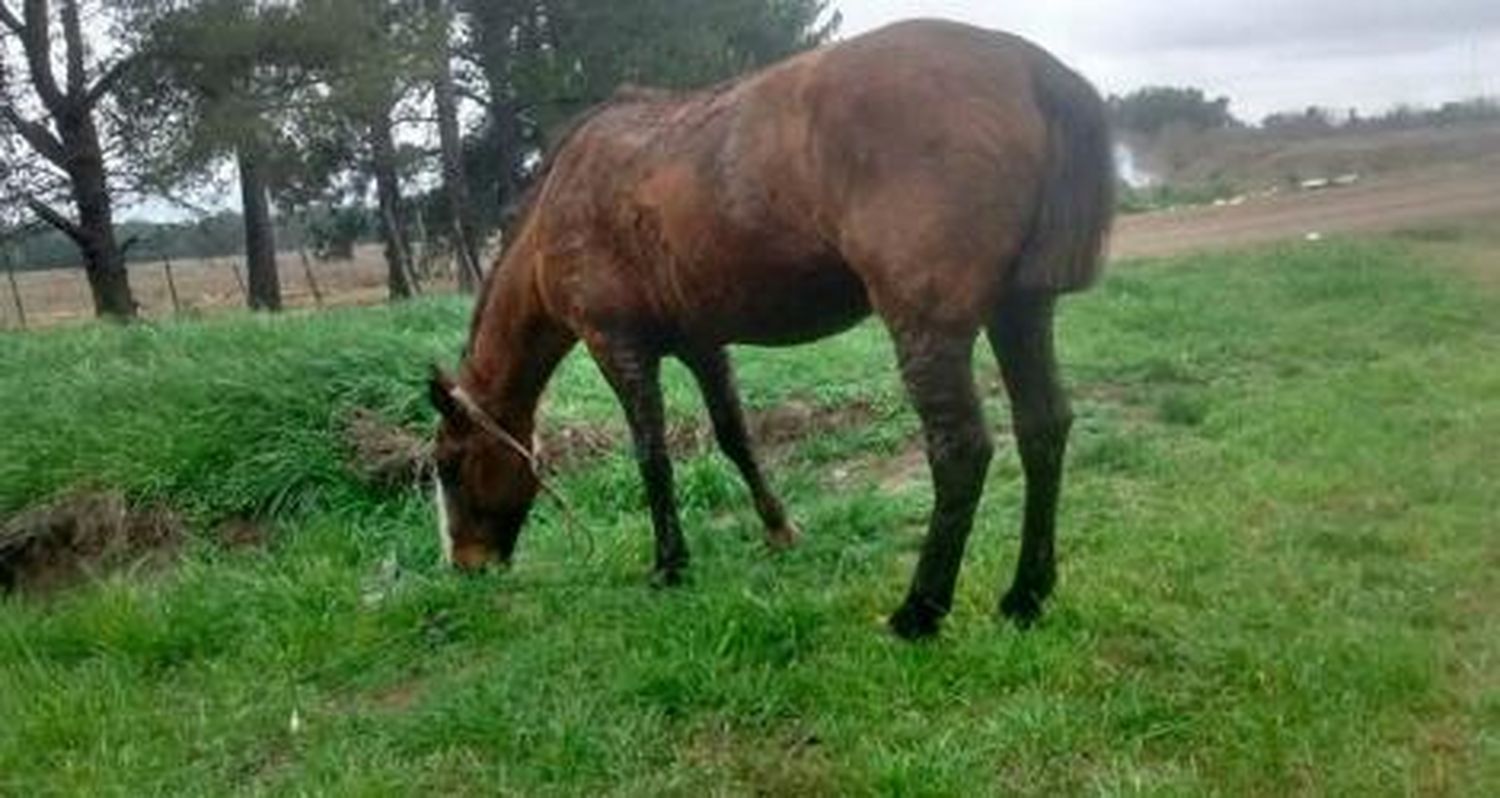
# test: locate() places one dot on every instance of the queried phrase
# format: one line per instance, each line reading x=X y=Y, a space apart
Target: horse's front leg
x=634 y=372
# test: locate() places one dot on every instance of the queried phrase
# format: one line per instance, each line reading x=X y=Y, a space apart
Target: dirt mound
x=383 y=454
x=239 y=534
x=81 y=536
x=789 y=423
x=772 y=428
x=392 y=457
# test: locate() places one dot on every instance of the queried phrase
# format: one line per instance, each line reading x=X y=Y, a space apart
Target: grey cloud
x=1266 y=54
x=1363 y=27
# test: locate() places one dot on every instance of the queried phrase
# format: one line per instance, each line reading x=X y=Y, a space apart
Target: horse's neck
x=514 y=347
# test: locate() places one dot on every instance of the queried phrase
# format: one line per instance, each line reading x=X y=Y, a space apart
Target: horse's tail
x=1064 y=251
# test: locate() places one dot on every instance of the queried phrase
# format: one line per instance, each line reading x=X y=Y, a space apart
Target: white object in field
x=1130 y=171
x=1315 y=184
x=1346 y=180
x=1314 y=236
x=445 y=532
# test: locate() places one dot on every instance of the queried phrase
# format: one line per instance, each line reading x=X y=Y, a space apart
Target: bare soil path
x=1382 y=205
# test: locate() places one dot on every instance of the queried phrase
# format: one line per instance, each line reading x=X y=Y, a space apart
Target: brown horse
x=947 y=178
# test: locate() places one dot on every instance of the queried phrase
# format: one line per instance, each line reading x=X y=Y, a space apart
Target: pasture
x=1279 y=539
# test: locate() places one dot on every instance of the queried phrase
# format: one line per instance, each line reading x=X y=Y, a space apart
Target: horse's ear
x=440 y=391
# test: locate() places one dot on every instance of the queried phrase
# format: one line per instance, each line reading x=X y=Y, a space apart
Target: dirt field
x=1254 y=158
x=1392 y=203
x=1378 y=205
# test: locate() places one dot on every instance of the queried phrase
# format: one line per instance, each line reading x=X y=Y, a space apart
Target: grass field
x=1280 y=536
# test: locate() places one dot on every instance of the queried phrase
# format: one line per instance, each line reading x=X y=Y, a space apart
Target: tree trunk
x=388 y=192
x=455 y=182
x=264 y=289
x=103 y=259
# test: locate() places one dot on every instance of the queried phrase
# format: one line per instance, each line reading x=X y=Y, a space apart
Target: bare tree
x=56 y=119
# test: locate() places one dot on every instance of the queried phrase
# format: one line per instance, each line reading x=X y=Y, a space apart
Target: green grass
x=1166 y=195
x=1279 y=543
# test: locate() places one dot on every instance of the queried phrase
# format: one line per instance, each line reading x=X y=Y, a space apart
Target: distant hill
x=1252 y=159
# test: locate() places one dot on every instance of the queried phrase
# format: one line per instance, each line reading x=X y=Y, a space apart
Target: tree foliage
x=239 y=79
x=541 y=62
x=1152 y=110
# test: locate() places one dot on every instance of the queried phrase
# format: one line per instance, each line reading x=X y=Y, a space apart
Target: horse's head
x=486 y=480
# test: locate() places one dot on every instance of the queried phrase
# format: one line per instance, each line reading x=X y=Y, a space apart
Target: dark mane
x=518 y=212
x=521 y=210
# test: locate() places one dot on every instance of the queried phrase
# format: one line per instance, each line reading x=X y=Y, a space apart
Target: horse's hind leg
x=715 y=378
x=1021 y=336
x=635 y=374
x=938 y=373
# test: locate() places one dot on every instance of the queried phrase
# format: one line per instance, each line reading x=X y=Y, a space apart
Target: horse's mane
x=626 y=94
x=525 y=206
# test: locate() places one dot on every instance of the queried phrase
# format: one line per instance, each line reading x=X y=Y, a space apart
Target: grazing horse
x=946 y=178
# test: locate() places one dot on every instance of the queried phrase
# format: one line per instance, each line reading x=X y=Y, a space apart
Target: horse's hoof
x=915 y=621
x=1021 y=607
x=784 y=538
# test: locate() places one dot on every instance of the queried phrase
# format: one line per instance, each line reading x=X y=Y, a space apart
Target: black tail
x=1065 y=248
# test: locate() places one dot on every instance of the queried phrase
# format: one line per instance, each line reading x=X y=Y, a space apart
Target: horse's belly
x=773 y=306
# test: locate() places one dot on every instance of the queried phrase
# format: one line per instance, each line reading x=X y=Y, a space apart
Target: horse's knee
x=1044 y=435
x=963 y=452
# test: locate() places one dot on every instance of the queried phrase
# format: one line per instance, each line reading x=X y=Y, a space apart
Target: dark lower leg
x=938 y=377
x=636 y=377
x=1022 y=340
x=716 y=380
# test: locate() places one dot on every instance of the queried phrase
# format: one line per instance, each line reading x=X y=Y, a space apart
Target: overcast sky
x=1267 y=55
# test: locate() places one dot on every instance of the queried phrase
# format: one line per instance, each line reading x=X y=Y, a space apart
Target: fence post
x=15 y=291
x=239 y=279
x=166 y=262
x=312 y=282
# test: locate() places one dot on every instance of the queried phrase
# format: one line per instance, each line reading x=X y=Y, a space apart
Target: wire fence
x=169 y=287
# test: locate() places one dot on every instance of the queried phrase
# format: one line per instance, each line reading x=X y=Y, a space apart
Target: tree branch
x=37 y=135
x=9 y=19
x=57 y=220
x=72 y=31
x=106 y=82
x=36 y=39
